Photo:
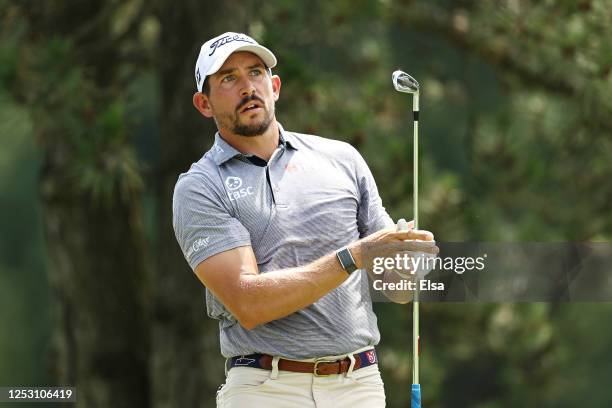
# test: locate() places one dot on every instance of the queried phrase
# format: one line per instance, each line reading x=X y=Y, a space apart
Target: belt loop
x=225 y=366
x=274 y=374
x=349 y=372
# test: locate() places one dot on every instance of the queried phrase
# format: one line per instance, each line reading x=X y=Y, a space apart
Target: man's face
x=242 y=95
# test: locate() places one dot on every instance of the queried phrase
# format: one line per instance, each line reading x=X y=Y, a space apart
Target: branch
x=454 y=26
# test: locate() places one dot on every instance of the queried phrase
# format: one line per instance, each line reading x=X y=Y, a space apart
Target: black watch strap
x=346 y=260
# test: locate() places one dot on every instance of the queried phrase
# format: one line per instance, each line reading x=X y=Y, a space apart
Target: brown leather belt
x=320 y=367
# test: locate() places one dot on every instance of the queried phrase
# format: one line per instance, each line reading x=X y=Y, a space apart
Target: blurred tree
x=187 y=366
x=71 y=65
x=515 y=146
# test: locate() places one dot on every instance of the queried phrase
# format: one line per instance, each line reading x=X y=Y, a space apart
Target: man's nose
x=247 y=87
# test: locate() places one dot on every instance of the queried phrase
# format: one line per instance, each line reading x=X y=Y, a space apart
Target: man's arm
x=395 y=277
x=254 y=298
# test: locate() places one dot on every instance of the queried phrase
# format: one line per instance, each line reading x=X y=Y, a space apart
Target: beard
x=234 y=124
x=255 y=129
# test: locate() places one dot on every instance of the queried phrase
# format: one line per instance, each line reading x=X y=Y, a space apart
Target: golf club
x=407 y=84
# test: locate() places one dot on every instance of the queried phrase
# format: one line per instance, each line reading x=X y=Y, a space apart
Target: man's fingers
x=403 y=225
x=422 y=246
x=421 y=235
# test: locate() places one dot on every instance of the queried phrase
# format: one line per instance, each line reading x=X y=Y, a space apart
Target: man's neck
x=262 y=146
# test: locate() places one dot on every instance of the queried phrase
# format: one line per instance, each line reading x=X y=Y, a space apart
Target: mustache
x=248 y=99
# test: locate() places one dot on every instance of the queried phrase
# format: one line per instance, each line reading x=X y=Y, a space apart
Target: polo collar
x=286 y=138
x=221 y=151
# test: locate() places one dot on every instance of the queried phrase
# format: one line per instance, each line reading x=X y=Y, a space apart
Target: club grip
x=416 y=396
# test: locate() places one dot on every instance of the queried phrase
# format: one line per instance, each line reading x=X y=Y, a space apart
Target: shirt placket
x=273 y=175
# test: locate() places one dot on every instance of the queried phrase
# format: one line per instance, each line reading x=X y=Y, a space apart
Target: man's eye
x=256 y=72
x=227 y=78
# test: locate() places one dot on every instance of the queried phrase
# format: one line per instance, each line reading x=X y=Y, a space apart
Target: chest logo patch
x=232 y=183
x=235 y=191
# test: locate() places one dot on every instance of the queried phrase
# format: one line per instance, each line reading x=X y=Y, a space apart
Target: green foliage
x=515 y=146
x=10 y=35
x=80 y=122
x=24 y=298
x=513 y=108
x=104 y=163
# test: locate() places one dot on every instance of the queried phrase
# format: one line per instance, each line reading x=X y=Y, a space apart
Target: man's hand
x=417 y=245
x=412 y=241
x=421 y=264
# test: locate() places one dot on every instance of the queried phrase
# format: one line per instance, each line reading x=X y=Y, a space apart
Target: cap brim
x=262 y=52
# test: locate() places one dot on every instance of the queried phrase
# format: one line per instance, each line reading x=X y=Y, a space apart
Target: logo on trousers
x=371 y=356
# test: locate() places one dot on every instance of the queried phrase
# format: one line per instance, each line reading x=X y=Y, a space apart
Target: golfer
x=272 y=223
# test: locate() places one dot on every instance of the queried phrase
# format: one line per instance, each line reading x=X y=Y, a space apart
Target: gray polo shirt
x=314 y=196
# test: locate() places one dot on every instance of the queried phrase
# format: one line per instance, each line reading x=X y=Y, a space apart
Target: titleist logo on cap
x=228 y=39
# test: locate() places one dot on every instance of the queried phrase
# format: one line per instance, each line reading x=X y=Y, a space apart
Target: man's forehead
x=241 y=58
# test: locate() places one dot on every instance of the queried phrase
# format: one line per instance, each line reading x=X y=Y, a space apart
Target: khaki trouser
x=254 y=387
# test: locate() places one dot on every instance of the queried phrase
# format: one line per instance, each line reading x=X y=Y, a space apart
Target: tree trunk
x=187 y=365
x=90 y=192
x=101 y=296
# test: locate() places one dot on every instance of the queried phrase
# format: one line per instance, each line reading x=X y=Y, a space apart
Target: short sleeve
x=371 y=215
x=202 y=225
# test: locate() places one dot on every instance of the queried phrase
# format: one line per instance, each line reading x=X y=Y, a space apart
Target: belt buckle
x=316 y=365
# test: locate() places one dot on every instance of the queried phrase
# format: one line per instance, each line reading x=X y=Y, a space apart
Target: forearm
x=272 y=295
x=256 y=298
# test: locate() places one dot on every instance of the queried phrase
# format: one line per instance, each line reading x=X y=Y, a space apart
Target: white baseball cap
x=214 y=52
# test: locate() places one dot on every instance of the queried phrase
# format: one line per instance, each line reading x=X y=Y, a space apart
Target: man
x=272 y=223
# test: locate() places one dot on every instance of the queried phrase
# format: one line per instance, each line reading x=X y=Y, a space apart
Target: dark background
x=96 y=123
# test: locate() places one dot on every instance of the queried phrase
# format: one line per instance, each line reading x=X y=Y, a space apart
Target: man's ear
x=276 y=86
x=202 y=104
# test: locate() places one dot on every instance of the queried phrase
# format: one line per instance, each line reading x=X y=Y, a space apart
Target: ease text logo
x=200 y=243
x=235 y=190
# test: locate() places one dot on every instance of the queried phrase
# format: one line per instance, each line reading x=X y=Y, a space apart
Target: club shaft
x=415 y=186
x=415 y=175
x=415 y=338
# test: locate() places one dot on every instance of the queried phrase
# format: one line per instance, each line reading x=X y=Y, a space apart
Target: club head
x=404 y=82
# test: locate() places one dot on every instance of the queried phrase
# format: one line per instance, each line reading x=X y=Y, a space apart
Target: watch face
x=346 y=260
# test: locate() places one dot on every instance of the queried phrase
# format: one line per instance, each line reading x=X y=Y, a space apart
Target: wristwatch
x=346 y=260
